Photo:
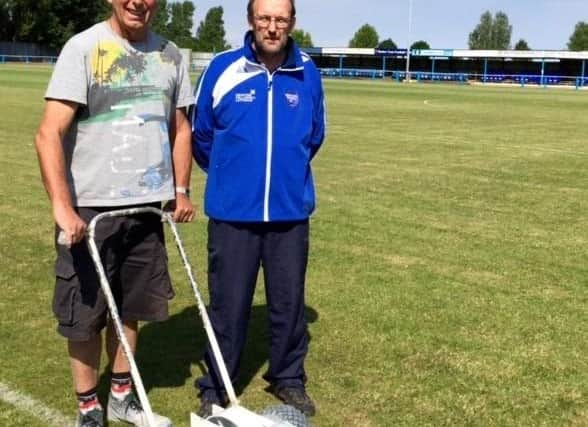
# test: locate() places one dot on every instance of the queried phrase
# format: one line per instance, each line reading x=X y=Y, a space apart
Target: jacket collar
x=293 y=56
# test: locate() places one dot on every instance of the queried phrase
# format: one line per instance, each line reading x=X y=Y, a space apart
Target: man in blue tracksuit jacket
x=259 y=120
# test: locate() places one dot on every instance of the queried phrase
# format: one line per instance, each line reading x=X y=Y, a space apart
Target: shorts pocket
x=66 y=290
x=64 y=268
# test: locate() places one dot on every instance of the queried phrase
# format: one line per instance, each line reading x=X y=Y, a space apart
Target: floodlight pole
x=408 y=41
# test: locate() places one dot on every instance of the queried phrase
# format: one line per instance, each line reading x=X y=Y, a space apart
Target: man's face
x=131 y=18
x=271 y=23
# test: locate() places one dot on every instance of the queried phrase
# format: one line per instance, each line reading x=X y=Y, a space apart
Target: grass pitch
x=448 y=275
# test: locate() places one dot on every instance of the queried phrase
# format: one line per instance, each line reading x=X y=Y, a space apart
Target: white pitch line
x=33 y=407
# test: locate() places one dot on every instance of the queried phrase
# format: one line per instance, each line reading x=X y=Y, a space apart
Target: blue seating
x=522 y=79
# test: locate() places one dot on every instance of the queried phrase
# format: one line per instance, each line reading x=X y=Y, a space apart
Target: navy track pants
x=235 y=253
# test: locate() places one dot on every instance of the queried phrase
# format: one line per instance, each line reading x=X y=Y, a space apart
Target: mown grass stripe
x=33 y=407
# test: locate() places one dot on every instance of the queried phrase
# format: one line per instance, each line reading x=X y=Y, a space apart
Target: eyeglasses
x=264 y=21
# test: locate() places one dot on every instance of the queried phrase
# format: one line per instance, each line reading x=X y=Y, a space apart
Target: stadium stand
x=540 y=68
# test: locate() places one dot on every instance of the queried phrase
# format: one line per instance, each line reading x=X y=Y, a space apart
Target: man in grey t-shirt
x=114 y=134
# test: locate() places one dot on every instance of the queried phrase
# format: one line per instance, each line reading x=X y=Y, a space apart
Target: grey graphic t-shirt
x=117 y=150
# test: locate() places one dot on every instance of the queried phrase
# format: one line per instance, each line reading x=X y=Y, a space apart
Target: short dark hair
x=250 y=8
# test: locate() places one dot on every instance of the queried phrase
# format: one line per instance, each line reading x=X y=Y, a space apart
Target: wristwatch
x=183 y=190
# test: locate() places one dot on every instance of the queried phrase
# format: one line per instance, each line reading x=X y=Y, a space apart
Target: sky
x=444 y=24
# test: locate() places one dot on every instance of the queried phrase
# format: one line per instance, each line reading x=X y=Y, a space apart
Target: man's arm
x=202 y=122
x=319 y=121
x=319 y=110
x=57 y=118
x=182 y=159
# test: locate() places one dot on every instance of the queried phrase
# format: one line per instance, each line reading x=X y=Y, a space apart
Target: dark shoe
x=296 y=397
x=94 y=418
x=206 y=403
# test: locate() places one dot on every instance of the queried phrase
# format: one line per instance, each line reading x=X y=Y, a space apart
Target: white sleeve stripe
x=235 y=74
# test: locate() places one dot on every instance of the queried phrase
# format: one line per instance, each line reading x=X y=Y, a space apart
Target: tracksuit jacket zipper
x=270 y=134
x=270 y=144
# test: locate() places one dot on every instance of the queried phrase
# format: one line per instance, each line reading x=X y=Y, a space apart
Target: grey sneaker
x=94 y=418
x=129 y=410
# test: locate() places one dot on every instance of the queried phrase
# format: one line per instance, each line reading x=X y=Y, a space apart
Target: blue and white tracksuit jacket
x=255 y=133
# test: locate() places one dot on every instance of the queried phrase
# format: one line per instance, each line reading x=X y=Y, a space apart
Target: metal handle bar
x=116 y=318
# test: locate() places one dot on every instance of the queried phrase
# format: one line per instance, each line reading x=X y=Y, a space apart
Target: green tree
x=387 y=44
x=302 y=38
x=161 y=19
x=210 y=36
x=179 y=28
x=366 y=36
x=51 y=22
x=501 y=31
x=491 y=32
x=481 y=37
x=579 y=38
x=26 y=15
x=68 y=17
x=420 y=44
x=6 y=27
x=522 y=45
x=104 y=10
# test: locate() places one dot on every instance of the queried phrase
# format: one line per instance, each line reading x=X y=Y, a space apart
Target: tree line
x=493 y=32
x=53 y=22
